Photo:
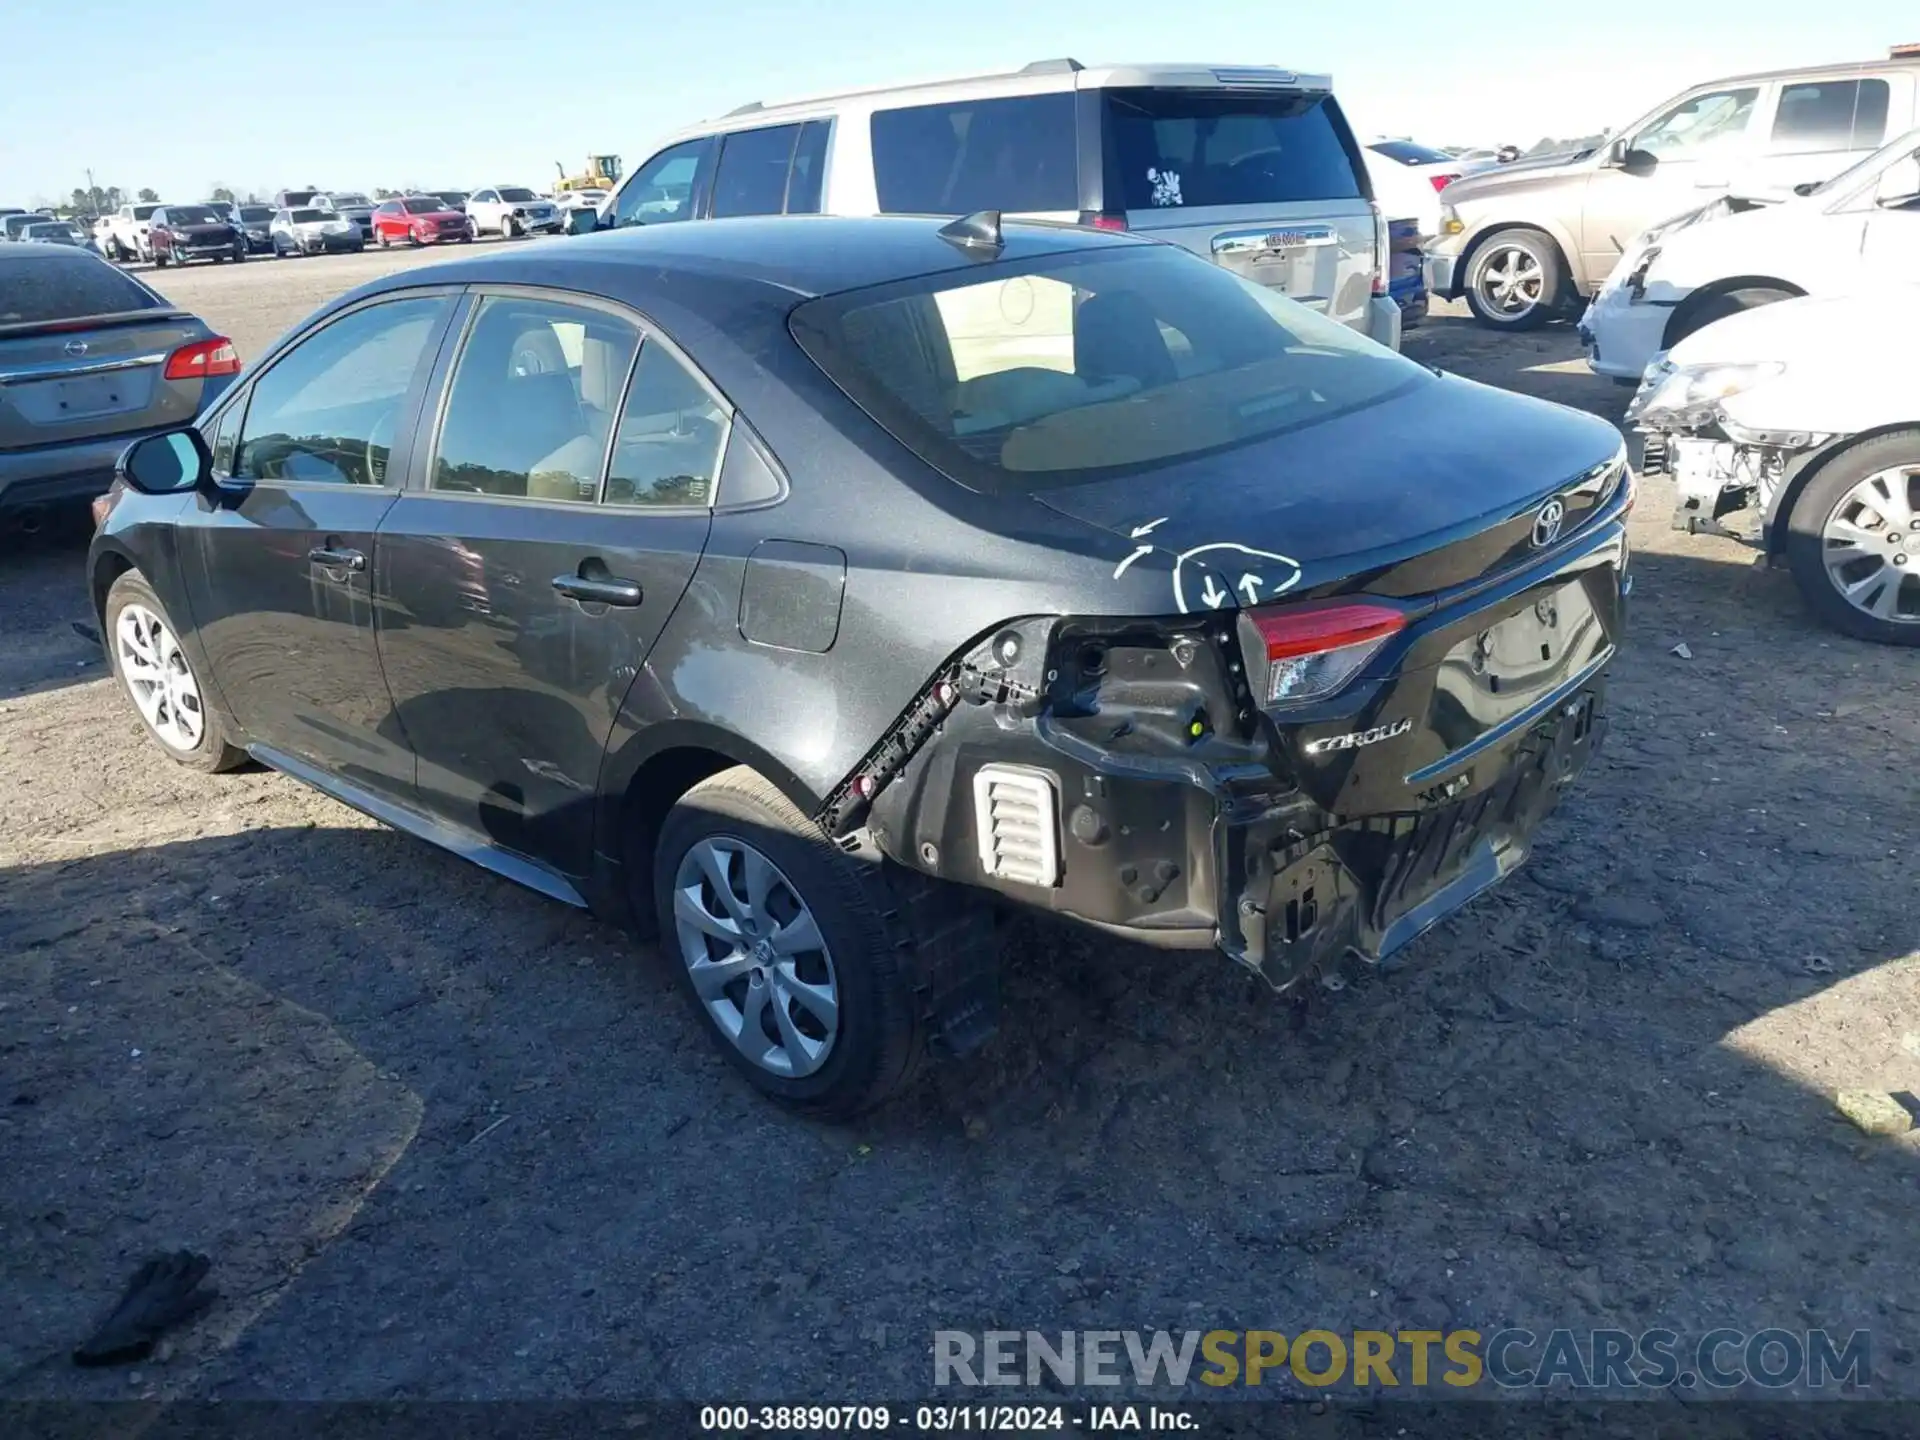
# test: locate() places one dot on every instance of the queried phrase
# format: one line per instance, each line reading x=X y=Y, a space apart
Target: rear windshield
x=516 y=196
x=66 y=285
x=194 y=215
x=46 y=228
x=452 y=197
x=16 y=224
x=255 y=213
x=307 y=217
x=300 y=197
x=419 y=205
x=1408 y=153
x=350 y=200
x=144 y=212
x=1090 y=364
x=1016 y=154
x=1172 y=148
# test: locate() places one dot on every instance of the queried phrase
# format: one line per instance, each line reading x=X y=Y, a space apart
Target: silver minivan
x=1526 y=241
x=1252 y=166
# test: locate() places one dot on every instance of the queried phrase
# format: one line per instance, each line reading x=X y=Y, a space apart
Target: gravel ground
x=447 y=1139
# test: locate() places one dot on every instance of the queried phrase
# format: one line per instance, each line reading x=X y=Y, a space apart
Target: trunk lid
x=1402 y=498
x=66 y=384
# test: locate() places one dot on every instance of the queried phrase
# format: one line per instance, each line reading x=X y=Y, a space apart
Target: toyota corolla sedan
x=788 y=586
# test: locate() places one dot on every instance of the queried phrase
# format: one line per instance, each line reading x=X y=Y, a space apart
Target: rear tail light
x=1102 y=220
x=1314 y=649
x=1440 y=182
x=1382 y=253
x=204 y=359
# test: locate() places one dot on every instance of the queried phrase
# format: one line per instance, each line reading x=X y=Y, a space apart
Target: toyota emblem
x=75 y=347
x=1546 y=525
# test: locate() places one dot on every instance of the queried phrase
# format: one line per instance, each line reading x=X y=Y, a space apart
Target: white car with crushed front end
x=1859 y=229
x=1796 y=429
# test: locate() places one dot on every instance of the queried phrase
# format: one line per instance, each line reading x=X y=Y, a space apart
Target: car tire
x=1696 y=315
x=1857 y=521
x=240 y=255
x=159 y=261
x=144 y=651
x=1515 y=280
x=730 y=829
x=507 y=228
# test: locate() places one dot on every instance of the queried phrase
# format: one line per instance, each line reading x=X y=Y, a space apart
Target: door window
x=752 y=175
x=809 y=169
x=1830 y=115
x=533 y=397
x=1700 y=125
x=1015 y=154
x=672 y=431
x=663 y=189
x=329 y=409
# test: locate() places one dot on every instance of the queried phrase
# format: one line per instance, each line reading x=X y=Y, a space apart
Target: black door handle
x=598 y=589
x=337 y=559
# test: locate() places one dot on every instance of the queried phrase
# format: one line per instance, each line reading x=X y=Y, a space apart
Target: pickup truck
x=124 y=235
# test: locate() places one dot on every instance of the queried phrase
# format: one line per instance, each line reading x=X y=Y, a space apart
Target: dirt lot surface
x=444 y=1138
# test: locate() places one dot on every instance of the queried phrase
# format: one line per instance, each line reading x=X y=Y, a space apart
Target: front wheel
x=1697 y=315
x=144 y=649
x=508 y=229
x=1515 y=280
x=1853 y=540
x=783 y=943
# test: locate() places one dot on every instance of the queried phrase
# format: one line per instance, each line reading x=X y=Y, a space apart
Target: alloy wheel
x=158 y=678
x=1870 y=546
x=1512 y=281
x=755 y=954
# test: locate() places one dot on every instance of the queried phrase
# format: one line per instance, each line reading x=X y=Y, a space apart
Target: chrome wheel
x=1512 y=281
x=159 y=678
x=756 y=956
x=1871 y=550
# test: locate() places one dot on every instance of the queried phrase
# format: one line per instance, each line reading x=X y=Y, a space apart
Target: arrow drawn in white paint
x=1214 y=596
x=1147 y=528
x=1122 y=568
x=1250 y=587
x=1272 y=573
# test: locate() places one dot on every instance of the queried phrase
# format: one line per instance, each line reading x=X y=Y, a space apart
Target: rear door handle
x=337 y=559
x=598 y=589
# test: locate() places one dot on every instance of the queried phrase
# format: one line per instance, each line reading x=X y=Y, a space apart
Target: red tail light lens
x=204 y=359
x=1440 y=182
x=1314 y=649
x=1102 y=220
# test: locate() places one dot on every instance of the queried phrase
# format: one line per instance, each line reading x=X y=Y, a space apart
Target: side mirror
x=582 y=222
x=167 y=464
x=1618 y=151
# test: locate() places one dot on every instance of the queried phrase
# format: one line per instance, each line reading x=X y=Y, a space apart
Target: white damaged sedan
x=1858 y=230
x=1796 y=429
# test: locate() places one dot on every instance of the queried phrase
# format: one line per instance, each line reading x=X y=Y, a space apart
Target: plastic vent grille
x=1017 y=822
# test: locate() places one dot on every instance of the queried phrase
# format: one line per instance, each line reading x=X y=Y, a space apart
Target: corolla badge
x=1546 y=524
x=1357 y=739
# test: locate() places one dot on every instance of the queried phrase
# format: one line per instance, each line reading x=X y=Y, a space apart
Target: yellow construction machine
x=602 y=173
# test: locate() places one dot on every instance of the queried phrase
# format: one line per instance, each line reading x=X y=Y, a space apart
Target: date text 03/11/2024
x=940 y=1419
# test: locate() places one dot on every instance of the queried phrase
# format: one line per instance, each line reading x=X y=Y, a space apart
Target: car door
x=280 y=586
x=1683 y=157
x=1821 y=126
x=384 y=226
x=540 y=547
x=484 y=208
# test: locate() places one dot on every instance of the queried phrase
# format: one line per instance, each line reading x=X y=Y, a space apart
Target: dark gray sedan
x=90 y=358
x=786 y=586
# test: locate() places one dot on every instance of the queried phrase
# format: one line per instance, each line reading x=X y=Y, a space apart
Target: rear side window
x=752 y=177
x=1016 y=154
x=672 y=431
x=41 y=288
x=1185 y=148
x=1830 y=115
x=1089 y=364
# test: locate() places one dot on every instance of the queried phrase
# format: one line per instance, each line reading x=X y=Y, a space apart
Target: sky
x=353 y=94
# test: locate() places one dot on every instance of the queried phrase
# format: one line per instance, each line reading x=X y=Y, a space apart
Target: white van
x=1251 y=166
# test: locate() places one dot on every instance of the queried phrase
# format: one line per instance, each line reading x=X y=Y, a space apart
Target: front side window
x=329 y=409
x=1090 y=364
x=663 y=189
x=1168 y=149
x=1700 y=126
x=1830 y=115
x=672 y=432
x=1016 y=154
x=752 y=176
x=532 y=403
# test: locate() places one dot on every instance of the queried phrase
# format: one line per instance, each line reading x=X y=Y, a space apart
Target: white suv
x=1250 y=166
x=510 y=210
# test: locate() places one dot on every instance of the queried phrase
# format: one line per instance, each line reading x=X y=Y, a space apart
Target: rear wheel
x=1697 y=315
x=1853 y=540
x=783 y=942
x=144 y=650
x=1515 y=279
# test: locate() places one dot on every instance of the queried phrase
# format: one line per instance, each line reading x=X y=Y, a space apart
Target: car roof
x=1841 y=70
x=804 y=255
